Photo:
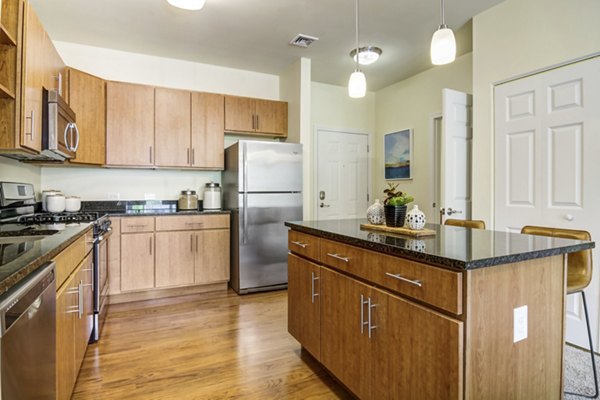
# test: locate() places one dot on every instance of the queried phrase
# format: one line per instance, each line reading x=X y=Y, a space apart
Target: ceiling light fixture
x=357 y=84
x=366 y=55
x=192 y=5
x=443 y=44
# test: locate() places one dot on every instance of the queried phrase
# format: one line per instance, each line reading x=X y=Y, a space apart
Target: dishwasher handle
x=26 y=296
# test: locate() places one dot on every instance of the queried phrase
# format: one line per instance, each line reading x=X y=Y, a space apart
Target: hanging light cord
x=443 y=25
x=357 y=54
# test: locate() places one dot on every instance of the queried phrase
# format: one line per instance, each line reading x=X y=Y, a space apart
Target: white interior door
x=457 y=141
x=547 y=158
x=342 y=175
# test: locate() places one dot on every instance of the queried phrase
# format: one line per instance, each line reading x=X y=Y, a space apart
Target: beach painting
x=398 y=152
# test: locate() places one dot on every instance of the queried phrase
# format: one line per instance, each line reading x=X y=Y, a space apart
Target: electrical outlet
x=114 y=196
x=519 y=324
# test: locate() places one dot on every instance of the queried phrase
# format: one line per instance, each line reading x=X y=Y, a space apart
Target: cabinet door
x=272 y=117
x=33 y=80
x=212 y=256
x=87 y=97
x=54 y=67
x=137 y=261
x=66 y=315
x=208 y=130
x=129 y=124
x=304 y=303
x=172 y=128
x=175 y=258
x=84 y=322
x=239 y=114
x=426 y=361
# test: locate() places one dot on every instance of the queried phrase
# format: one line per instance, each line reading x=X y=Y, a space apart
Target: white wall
x=513 y=38
x=132 y=184
x=15 y=171
x=332 y=108
x=409 y=104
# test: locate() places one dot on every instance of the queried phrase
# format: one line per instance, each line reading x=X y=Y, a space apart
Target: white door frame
x=315 y=158
x=433 y=117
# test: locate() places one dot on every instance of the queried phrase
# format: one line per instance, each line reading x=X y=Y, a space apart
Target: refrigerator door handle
x=245 y=220
x=245 y=168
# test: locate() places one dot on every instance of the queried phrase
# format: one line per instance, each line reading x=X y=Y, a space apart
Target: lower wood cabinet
x=212 y=258
x=175 y=254
x=137 y=261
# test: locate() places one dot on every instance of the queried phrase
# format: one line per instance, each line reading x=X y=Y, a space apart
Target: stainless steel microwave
x=60 y=135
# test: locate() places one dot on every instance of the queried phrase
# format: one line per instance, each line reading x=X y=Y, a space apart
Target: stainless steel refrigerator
x=262 y=186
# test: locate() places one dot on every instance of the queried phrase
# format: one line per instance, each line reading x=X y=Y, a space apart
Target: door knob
x=322 y=195
x=324 y=205
x=450 y=211
x=569 y=217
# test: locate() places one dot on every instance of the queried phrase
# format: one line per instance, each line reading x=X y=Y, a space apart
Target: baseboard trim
x=154 y=294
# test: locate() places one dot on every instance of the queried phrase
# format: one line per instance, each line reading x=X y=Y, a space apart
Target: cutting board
x=399 y=230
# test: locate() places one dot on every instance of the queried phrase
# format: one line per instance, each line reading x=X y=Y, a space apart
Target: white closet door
x=547 y=163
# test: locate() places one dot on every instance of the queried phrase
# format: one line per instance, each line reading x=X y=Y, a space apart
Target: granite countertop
x=40 y=252
x=454 y=247
x=146 y=208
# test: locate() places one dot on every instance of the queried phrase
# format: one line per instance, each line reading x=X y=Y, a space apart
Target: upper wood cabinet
x=129 y=124
x=247 y=115
x=86 y=95
x=208 y=126
x=172 y=129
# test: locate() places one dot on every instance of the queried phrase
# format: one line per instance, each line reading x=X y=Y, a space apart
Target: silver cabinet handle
x=193 y=156
x=415 y=282
x=337 y=256
x=59 y=79
x=32 y=119
x=303 y=245
x=137 y=226
x=74 y=148
x=362 y=314
x=80 y=301
x=196 y=244
x=369 y=317
x=150 y=245
x=194 y=223
x=150 y=153
x=66 y=138
x=191 y=243
x=313 y=294
x=257 y=122
x=188 y=155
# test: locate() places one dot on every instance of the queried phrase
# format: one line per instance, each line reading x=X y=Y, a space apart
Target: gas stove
x=57 y=218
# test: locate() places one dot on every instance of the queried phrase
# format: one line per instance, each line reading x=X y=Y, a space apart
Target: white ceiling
x=254 y=34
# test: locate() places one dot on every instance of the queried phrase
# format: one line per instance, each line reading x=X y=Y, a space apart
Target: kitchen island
x=464 y=314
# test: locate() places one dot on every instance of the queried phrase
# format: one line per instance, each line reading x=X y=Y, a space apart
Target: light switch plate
x=114 y=196
x=149 y=196
x=519 y=324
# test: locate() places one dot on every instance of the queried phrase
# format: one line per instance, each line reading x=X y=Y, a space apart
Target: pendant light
x=192 y=5
x=443 y=44
x=357 y=84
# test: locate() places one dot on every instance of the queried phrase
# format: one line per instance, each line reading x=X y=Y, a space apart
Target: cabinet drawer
x=192 y=222
x=68 y=259
x=303 y=244
x=137 y=224
x=347 y=258
x=439 y=287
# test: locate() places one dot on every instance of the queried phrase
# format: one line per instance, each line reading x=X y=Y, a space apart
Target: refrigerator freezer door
x=261 y=261
x=270 y=167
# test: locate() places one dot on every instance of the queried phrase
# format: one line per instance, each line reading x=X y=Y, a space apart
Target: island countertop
x=453 y=247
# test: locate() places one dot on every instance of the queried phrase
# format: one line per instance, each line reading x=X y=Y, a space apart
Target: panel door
x=547 y=148
x=87 y=97
x=172 y=113
x=212 y=256
x=174 y=258
x=304 y=303
x=208 y=126
x=33 y=80
x=272 y=117
x=129 y=124
x=239 y=114
x=66 y=315
x=342 y=180
x=137 y=261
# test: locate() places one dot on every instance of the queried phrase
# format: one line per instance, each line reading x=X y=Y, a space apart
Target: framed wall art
x=398 y=155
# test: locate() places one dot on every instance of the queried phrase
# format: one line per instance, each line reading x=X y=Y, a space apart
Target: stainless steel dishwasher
x=28 y=338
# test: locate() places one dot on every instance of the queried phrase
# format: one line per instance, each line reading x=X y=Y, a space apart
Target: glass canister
x=188 y=200
x=212 y=196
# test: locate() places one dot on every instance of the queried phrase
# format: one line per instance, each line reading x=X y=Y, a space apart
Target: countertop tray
x=399 y=230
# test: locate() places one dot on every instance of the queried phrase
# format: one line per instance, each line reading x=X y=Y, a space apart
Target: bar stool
x=579 y=275
x=466 y=223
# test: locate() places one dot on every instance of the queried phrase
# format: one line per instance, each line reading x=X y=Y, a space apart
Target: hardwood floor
x=206 y=346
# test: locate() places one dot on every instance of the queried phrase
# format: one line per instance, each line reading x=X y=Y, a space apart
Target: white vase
x=375 y=213
x=415 y=218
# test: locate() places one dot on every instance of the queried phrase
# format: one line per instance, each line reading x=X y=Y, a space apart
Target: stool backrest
x=579 y=264
x=466 y=223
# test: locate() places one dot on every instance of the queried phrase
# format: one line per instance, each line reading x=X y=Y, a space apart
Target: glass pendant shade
x=443 y=46
x=357 y=85
x=192 y=5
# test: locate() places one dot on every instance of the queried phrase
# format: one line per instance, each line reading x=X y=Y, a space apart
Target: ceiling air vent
x=303 y=40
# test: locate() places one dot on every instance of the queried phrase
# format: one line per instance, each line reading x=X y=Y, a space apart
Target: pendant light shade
x=443 y=47
x=357 y=85
x=443 y=44
x=192 y=5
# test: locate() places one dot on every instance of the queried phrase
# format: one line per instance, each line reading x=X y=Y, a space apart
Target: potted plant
x=395 y=205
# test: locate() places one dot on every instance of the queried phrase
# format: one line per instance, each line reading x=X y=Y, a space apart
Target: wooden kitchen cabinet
x=248 y=115
x=172 y=114
x=137 y=261
x=208 y=126
x=114 y=257
x=212 y=256
x=55 y=70
x=304 y=303
x=86 y=95
x=129 y=124
x=66 y=317
x=85 y=323
x=175 y=258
